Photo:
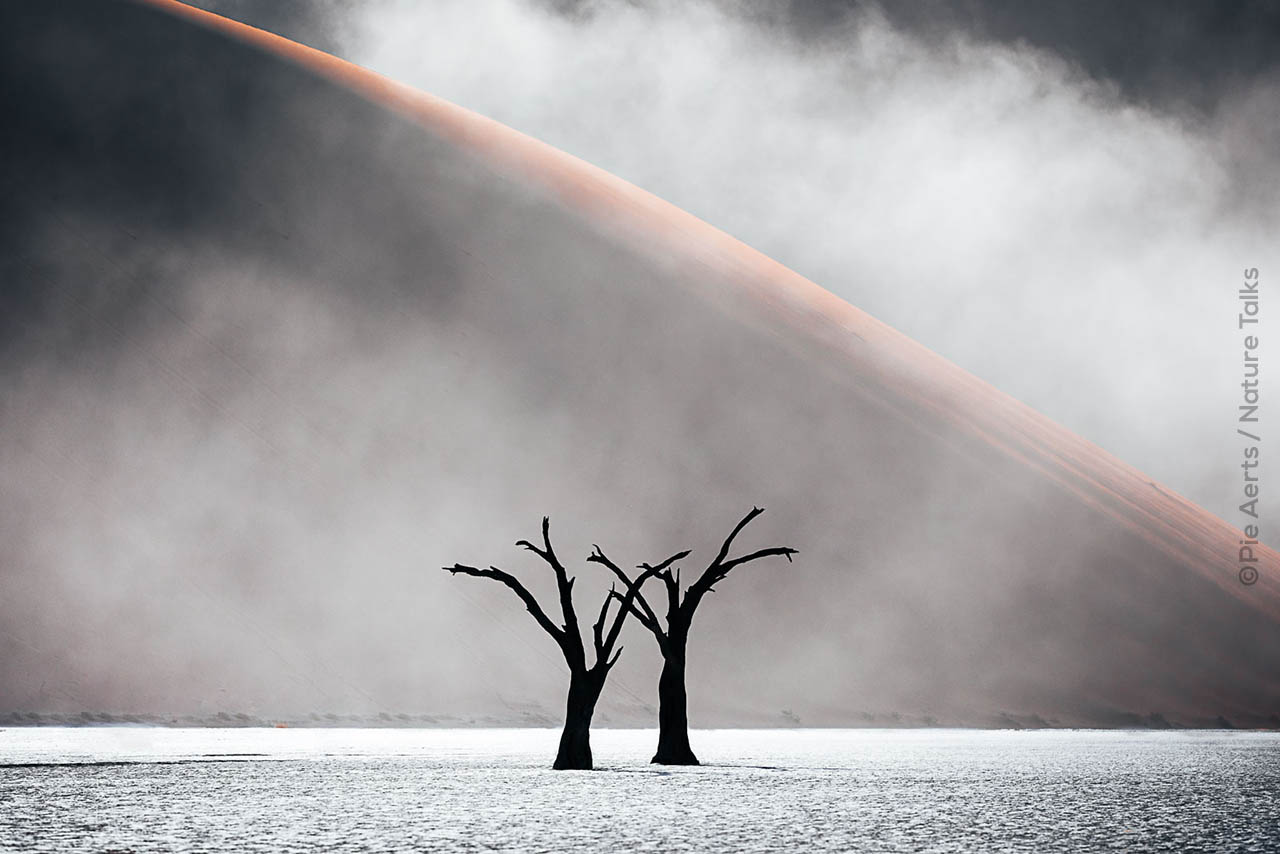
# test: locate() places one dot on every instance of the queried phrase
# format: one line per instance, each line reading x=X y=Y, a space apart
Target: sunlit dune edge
x=897 y=371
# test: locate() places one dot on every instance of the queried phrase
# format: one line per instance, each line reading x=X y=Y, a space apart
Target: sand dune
x=287 y=332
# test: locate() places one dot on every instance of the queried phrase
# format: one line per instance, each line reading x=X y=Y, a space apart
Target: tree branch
x=644 y=613
x=605 y=646
x=720 y=567
x=746 y=520
x=525 y=596
x=597 y=628
x=672 y=582
x=564 y=584
x=647 y=620
x=666 y=563
x=782 y=551
x=673 y=594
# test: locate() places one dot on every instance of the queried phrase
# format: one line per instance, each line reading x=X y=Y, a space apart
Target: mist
x=1053 y=234
x=274 y=354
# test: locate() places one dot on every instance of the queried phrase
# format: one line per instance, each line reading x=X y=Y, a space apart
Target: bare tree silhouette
x=673 y=715
x=585 y=683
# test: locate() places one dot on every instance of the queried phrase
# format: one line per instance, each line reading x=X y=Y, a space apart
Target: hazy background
x=1060 y=197
x=271 y=356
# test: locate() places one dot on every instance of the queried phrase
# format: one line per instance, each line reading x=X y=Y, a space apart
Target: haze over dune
x=285 y=336
x=1033 y=199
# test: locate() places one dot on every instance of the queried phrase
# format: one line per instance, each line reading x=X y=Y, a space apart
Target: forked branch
x=564 y=584
x=721 y=566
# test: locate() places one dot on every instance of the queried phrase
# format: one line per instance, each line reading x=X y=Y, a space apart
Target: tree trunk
x=673 y=712
x=575 y=741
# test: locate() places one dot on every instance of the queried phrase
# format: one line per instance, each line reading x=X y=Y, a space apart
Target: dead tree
x=673 y=715
x=585 y=683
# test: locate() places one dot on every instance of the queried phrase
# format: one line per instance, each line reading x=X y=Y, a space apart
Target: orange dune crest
x=895 y=367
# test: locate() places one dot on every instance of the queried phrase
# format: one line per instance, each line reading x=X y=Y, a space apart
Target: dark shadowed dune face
x=272 y=353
